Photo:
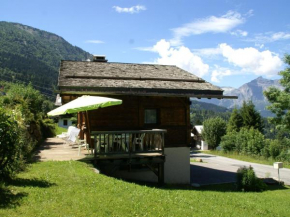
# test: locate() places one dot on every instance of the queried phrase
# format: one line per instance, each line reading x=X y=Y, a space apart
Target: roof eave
x=218 y=94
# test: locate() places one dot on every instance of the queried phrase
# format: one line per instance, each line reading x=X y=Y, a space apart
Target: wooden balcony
x=128 y=148
x=114 y=144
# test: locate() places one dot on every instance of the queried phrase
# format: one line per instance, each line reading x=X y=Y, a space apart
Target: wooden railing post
x=119 y=142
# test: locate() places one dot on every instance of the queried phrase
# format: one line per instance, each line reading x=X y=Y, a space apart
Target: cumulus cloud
x=252 y=60
x=131 y=10
x=219 y=72
x=95 y=41
x=212 y=24
x=181 y=57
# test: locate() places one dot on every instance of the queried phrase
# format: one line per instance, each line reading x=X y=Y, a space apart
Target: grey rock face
x=249 y=91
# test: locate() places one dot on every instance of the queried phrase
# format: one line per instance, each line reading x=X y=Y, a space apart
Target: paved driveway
x=216 y=169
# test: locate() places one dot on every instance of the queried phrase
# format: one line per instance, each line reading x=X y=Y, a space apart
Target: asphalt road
x=216 y=169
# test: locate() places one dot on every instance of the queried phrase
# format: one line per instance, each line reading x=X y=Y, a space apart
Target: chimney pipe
x=99 y=58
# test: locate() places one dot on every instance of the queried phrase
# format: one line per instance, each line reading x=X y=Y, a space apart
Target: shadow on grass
x=10 y=199
x=227 y=187
x=30 y=183
x=208 y=179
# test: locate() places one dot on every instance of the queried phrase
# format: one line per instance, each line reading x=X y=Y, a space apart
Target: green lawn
x=73 y=189
x=252 y=159
x=59 y=130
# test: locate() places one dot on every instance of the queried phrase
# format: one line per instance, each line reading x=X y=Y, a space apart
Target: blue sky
x=226 y=42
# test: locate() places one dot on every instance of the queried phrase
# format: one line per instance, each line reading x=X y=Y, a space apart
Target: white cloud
x=181 y=57
x=95 y=41
x=259 y=45
x=219 y=72
x=212 y=24
x=144 y=49
x=280 y=36
x=249 y=13
x=207 y=51
x=252 y=60
x=270 y=37
x=239 y=33
x=131 y=10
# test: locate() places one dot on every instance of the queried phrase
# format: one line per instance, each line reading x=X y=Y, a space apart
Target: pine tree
x=235 y=122
x=251 y=118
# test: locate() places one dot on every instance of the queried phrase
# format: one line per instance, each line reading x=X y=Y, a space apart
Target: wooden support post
x=161 y=173
x=88 y=129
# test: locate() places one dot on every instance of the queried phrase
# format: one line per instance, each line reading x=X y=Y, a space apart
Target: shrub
x=248 y=181
x=274 y=148
x=255 y=142
x=265 y=152
x=228 y=142
x=213 y=130
x=284 y=156
x=241 y=141
x=246 y=141
x=11 y=159
x=48 y=128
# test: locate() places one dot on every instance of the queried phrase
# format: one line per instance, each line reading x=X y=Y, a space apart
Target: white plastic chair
x=138 y=141
x=82 y=143
x=65 y=135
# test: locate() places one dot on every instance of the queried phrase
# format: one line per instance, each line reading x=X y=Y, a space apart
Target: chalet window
x=150 y=116
x=64 y=122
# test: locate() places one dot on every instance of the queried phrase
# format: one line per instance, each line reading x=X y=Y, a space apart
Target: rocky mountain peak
x=252 y=90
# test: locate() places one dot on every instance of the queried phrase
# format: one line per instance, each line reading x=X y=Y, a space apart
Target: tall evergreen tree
x=251 y=118
x=235 y=122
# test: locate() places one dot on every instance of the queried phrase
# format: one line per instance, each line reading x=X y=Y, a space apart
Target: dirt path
x=58 y=150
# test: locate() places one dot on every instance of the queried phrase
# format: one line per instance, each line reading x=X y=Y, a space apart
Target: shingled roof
x=79 y=77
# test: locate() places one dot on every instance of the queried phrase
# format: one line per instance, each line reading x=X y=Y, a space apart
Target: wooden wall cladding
x=173 y=116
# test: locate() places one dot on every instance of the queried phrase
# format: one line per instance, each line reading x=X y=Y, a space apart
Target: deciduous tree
x=213 y=130
x=280 y=99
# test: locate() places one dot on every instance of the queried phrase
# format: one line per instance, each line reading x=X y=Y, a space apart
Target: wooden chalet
x=152 y=125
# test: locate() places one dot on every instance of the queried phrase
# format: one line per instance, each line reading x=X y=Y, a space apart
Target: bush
x=274 y=148
x=228 y=142
x=284 y=156
x=265 y=152
x=21 y=126
x=48 y=128
x=248 y=181
x=246 y=141
x=11 y=159
x=213 y=130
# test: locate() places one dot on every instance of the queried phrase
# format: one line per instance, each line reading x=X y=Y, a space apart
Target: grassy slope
x=73 y=189
x=59 y=130
x=253 y=159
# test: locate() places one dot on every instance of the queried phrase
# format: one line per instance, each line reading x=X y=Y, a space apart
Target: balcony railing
x=128 y=142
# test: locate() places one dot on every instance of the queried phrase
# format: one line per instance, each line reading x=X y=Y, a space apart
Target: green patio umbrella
x=84 y=103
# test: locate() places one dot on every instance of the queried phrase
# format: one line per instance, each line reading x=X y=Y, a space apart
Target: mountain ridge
x=252 y=90
x=28 y=54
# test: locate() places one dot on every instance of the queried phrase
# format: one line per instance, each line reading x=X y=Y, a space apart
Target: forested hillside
x=28 y=54
x=200 y=111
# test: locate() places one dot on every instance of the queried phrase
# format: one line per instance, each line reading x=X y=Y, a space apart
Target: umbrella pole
x=88 y=129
